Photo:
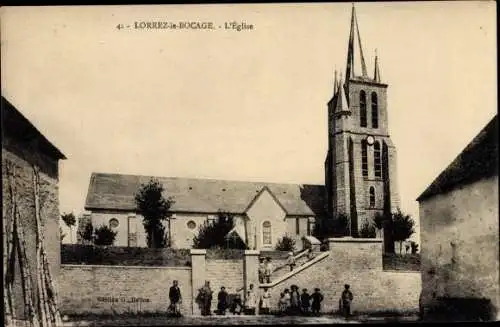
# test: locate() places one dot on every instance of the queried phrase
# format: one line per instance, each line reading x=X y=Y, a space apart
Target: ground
x=227 y=320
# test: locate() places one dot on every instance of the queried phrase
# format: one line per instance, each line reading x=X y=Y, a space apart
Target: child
x=262 y=270
x=288 y=300
x=222 y=298
x=282 y=303
x=305 y=299
x=310 y=254
x=265 y=301
x=346 y=301
x=268 y=269
x=251 y=301
x=317 y=298
x=236 y=305
x=294 y=300
x=291 y=260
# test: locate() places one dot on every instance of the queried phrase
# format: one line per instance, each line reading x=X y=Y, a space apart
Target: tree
x=414 y=247
x=62 y=235
x=213 y=234
x=70 y=221
x=379 y=220
x=402 y=227
x=286 y=243
x=151 y=204
x=368 y=230
x=103 y=235
x=332 y=227
x=87 y=233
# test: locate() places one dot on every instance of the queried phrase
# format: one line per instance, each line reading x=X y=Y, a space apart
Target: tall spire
x=351 y=48
x=376 y=75
x=335 y=82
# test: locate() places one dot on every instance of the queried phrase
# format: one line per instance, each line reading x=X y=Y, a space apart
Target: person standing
x=266 y=301
x=346 y=298
x=262 y=270
x=175 y=297
x=206 y=298
x=251 y=300
x=294 y=300
x=305 y=300
x=222 y=301
x=287 y=300
x=317 y=298
x=291 y=260
x=268 y=270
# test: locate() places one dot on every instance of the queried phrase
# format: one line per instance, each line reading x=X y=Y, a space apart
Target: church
x=360 y=178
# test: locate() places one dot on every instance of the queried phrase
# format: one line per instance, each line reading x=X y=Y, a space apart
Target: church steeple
x=376 y=74
x=351 y=48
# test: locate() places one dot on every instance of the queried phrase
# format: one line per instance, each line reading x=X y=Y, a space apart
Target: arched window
x=372 y=196
x=374 y=110
x=377 y=160
x=266 y=233
x=364 y=158
x=362 y=108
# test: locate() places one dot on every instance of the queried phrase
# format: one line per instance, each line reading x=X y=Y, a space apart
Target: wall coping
x=401 y=271
x=252 y=252
x=295 y=271
x=349 y=239
x=65 y=265
x=198 y=251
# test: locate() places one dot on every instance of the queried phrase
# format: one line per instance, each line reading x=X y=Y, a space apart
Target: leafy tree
x=103 y=235
x=402 y=227
x=379 y=220
x=151 y=204
x=70 y=221
x=368 y=230
x=87 y=233
x=62 y=235
x=286 y=243
x=213 y=234
x=414 y=247
x=332 y=227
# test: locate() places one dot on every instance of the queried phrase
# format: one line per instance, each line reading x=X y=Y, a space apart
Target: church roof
x=478 y=160
x=116 y=192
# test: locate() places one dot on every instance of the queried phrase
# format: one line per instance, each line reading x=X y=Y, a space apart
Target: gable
x=266 y=207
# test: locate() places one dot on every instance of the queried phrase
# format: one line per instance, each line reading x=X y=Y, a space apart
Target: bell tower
x=360 y=166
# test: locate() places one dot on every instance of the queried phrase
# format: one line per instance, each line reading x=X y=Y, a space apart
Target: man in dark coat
x=317 y=298
x=346 y=301
x=222 y=304
x=175 y=298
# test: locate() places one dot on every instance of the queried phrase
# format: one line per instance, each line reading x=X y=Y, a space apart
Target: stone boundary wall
x=121 y=289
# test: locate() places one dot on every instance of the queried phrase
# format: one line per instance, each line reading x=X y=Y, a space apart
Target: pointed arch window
x=362 y=108
x=266 y=233
x=374 y=110
x=364 y=158
x=372 y=196
x=377 y=160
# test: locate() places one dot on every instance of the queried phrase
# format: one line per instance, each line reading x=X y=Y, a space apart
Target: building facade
x=459 y=224
x=360 y=166
x=360 y=177
x=263 y=212
x=23 y=148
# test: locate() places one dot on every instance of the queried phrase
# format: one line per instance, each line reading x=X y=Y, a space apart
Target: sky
x=247 y=105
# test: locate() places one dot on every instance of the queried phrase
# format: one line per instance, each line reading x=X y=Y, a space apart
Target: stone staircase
x=300 y=259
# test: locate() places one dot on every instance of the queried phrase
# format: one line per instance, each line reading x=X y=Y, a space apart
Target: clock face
x=370 y=140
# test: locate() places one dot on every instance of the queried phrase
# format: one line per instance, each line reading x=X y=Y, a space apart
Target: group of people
x=291 y=302
x=294 y=303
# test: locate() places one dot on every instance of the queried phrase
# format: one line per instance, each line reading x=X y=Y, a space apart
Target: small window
x=362 y=109
x=113 y=223
x=372 y=197
x=377 y=160
x=266 y=233
x=374 y=110
x=364 y=158
x=191 y=225
x=297 y=226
